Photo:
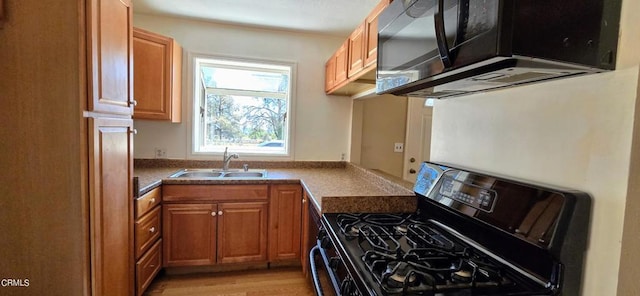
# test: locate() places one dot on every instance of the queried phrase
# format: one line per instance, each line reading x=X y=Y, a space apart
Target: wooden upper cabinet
x=330 y=74
x=157 y=68
x=285 y=214
x=356 y=51
x=109 y=53
x=342 y=62
x=371 y=34
x=355 y=60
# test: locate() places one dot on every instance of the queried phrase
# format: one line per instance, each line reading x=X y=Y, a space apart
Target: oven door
x=419 y=39
x=329 y=275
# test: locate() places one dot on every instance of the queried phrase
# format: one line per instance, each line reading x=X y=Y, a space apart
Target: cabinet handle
x=304 y=200
x=213 y=214
x=152 y=200
x=152 y=265
x=152 y=229
x=219 y=213
x=133 y=103
x=134 y=131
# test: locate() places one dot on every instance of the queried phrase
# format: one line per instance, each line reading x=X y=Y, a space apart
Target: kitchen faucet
x=226 y=159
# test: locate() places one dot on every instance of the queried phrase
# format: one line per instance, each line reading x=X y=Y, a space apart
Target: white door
x=418 y=137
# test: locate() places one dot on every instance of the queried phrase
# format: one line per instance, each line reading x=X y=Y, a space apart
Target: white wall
x=381 y=123
x=321 y=122
x=573 y=132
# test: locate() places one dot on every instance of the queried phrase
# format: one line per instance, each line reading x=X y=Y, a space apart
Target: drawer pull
x=152 y=200
x=213 y=214
x=219 y=213
x=152 y=266
x=152 y=229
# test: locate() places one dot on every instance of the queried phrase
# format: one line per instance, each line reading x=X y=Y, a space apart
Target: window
x=242 y=105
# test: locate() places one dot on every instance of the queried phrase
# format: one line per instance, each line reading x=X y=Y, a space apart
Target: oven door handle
x=314 y=271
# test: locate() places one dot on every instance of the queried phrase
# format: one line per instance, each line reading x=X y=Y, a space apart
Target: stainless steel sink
x=244 y=174
x=215 y=173
x=196 y=174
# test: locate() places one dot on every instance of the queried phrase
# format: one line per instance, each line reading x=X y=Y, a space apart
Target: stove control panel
x=471 y=195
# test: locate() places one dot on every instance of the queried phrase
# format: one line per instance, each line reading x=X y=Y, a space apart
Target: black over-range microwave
x=443 y=48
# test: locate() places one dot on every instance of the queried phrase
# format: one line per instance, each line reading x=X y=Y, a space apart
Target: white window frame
x=192 y=106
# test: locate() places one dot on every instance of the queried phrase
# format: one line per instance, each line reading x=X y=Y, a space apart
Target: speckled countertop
x=332 y=186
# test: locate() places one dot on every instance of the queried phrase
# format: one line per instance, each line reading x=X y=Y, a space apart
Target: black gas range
x=473 y=234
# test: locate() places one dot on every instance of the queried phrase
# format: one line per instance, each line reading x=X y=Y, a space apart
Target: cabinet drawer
x=214 y=192
x=148 y=201
x=147 y=230
x=147 y=267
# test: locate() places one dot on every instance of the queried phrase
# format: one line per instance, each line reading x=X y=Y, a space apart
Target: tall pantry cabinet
x=66 y=147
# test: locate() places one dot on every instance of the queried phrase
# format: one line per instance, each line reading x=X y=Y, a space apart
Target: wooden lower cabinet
x=148 y=267
x=214 y=224
x=285 y=216
x=242 y=232
x=307 y=242
x=189 y=232
x=148 y=242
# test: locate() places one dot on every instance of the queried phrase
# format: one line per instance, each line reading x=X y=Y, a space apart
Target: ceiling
x=334 y=17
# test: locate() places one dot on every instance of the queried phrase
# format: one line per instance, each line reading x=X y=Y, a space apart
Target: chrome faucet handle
x=245 y=167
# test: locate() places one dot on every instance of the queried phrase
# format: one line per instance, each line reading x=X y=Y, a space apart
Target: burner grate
x=432 y=270
x=350 y=224
x=422 y=235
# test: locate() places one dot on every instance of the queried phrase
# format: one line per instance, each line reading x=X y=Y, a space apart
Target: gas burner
x=462 y=276
x=399 y=274
x=401 y=229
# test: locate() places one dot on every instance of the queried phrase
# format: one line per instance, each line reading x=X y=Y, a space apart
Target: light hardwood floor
x=275 y=281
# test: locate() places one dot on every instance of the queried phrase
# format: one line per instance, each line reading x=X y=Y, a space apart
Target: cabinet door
x=356 y=51
x=285 y=211
x=189 y=234
x=242 y=232
x=341 y=56
x=330 y=74
x=111 y=205
x=157 y=62
x=371 y=34
x=306 y=240
x=110 y=68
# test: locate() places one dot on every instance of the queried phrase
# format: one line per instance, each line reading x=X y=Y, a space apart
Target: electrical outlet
x=161 y=153
x=342 y=156
x=398 y=147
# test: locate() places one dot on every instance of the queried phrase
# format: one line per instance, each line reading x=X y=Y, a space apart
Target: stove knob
x=325 y=243
x=334 y=262
x=322 y=233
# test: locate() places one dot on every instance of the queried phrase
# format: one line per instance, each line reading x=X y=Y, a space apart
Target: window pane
x=244 y=107
x=244 y=121
x=229 y=78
